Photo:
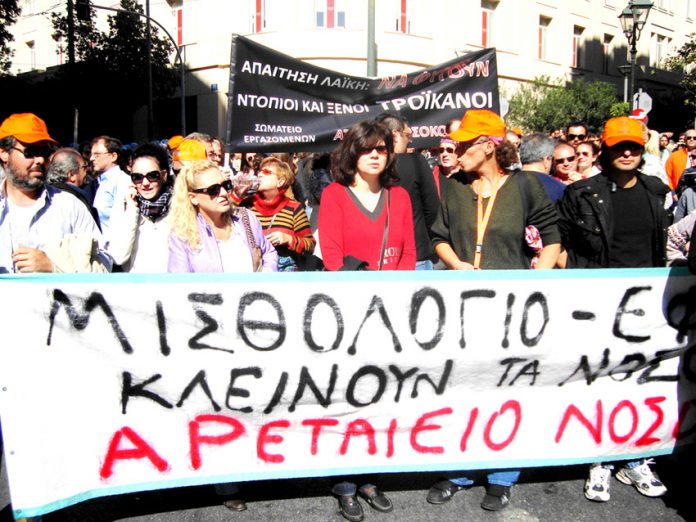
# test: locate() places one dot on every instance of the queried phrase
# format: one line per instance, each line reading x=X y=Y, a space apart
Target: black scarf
x=154 y=209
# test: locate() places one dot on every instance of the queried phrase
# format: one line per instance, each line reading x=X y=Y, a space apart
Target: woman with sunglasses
x=447 y=163
x=482 y=224
x=282 y=217
x=207 y=234
x=587 y=153
x=139 y=231
x=364 y=217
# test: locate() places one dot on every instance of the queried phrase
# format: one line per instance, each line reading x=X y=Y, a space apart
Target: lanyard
x=482 y=220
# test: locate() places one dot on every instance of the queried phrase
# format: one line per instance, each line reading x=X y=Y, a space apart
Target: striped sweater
x=285 y=215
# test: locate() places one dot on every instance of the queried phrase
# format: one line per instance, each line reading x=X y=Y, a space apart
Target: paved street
x=542 y=495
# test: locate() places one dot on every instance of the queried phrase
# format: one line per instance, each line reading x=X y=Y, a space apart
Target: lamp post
x=633 y=19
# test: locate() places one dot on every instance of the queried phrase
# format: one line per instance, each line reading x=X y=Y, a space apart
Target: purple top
x=207 y=257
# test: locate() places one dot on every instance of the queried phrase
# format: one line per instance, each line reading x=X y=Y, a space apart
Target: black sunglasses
x=151 y=176
x=567 y=159
x=214 y=190
x=448 y=150
x=381 y=149
x=36 y=151
x=577 y=136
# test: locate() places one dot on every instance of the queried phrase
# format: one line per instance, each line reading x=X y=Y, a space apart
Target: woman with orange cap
x=487 y=209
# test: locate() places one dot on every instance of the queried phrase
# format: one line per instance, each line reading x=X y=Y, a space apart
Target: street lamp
x=633 y=19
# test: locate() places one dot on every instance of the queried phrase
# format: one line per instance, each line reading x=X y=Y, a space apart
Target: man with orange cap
x=34 y=216
x=616 y=219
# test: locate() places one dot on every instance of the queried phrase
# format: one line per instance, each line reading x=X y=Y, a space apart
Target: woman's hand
x=279 y=238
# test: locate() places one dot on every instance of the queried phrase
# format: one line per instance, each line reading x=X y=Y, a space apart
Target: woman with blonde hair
x=208 y=235
x=283 y=218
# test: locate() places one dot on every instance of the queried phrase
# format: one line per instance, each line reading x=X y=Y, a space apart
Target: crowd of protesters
x=488 y=197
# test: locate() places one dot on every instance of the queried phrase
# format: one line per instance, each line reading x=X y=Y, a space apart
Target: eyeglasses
x=214 y=190
x=381 y=149
x=36 y=151
x=576 y=136
x=690 y=137
x=152 y=176
x=620 y=148
x=99 y=153
x=583 y=153
x=567 y=159
x=448 y=150
x=267 y=172
x=467 y=146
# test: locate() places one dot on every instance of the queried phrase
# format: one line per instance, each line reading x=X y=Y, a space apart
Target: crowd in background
x=487 y=197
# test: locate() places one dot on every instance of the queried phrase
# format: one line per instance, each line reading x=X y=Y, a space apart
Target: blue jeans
x=426 y=264
x=347 y=489
x=502 y=478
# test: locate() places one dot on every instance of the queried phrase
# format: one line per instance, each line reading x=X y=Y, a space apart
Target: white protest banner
x=119 y=383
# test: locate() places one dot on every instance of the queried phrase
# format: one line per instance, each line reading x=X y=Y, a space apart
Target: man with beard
x=36 y=219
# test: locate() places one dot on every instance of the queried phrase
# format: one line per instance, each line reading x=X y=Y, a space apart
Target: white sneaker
x=643 y=478
x=597 y=484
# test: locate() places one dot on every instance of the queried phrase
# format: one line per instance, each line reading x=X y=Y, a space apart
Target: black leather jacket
x=586 y=224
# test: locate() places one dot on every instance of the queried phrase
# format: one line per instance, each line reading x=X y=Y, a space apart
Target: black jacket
x=586 y=224
x=416 y=177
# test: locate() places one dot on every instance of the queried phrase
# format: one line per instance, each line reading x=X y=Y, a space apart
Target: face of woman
x=372 y=160
x=213 y=205
x=472 y=154
x=585 y=158
x=146 y=188
x=269 y=179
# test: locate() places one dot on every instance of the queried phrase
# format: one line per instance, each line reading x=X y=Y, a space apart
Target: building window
x=664 y=5
x=606 y=53
x=330 y=13
x=487 y=14
x=660 y=49
x=258 y=22
x=543 y=37
x=402 y=23
x=578 y=51
x=32 y=54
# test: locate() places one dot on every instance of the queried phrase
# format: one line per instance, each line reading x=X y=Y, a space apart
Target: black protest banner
x=279 y=104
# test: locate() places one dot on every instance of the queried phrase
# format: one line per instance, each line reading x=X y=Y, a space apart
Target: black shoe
x=376 y=499
x=442 y=492
x=497 y=497
x=350 y=508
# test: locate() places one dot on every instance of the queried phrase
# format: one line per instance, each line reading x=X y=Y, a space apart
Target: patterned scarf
x=154 y=209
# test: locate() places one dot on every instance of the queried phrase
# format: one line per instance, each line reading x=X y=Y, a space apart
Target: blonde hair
x=652 y=144
x=183 y=213
x=283 y=171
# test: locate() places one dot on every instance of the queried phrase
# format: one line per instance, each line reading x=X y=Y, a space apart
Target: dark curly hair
x=506 y=155
x=361 y=136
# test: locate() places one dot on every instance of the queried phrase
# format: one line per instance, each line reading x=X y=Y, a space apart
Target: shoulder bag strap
x=386 y=231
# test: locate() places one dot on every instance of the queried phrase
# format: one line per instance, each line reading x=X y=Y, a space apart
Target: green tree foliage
x=124 y=52
x=88 y=40
x=684 y=61
x=109 y=80
x=9 y=11
x=546 y=105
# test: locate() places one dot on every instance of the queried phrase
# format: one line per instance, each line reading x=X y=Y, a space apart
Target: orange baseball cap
x=479 y=122
x=622 y=128
x=190 y=150
x=26 y=127
x=175 y=141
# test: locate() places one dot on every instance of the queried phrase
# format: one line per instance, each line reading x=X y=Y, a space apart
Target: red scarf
x=273 y=207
